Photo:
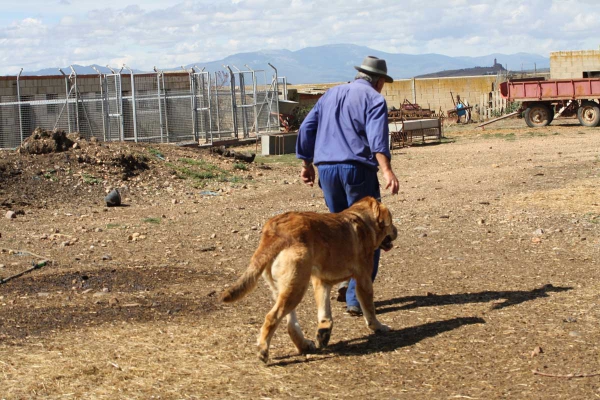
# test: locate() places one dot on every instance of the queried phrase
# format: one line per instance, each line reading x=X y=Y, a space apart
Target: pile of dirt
x=43 y=142
x=52 y=166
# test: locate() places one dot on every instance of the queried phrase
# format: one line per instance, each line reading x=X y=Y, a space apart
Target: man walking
x=346 y=135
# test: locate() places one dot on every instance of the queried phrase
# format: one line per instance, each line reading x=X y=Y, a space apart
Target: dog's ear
x=380 y=213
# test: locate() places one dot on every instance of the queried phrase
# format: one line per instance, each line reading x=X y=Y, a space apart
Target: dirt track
x=497 y=255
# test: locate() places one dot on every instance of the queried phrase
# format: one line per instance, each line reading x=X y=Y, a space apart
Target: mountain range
x=334 y=63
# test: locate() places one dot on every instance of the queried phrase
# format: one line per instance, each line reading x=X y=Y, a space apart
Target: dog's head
x=384 y=225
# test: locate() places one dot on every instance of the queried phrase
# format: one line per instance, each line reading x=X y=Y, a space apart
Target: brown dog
x=329 y=248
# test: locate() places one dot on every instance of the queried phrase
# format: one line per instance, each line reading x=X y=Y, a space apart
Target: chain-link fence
x=149 y=107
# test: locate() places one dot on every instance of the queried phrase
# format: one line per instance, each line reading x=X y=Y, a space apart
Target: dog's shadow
x=384 y=342
x=396 y=339
x=509 y=297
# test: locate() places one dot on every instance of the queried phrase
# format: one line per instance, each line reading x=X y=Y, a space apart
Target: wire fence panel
x=149 y=107
x=10 y=136
x=179 y=116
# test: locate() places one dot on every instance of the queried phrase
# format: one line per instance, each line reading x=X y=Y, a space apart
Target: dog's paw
x=382 y=328
x=263 y=355
x=309 y=347
x=323 y=336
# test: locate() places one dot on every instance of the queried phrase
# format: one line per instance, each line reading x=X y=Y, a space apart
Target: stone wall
x=572 y=64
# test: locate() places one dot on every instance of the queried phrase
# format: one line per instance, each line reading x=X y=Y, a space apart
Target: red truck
x=542 y=99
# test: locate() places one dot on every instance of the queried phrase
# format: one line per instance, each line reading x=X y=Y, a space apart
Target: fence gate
x=201 y=106
x=113 y=107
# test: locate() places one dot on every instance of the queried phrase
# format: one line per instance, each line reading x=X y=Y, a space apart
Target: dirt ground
x=494 y=274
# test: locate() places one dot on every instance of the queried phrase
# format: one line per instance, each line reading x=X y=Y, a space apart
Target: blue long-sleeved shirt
x=349 y=123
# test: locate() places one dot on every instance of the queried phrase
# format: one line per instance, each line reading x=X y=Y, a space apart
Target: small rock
x=105 y=290
x=246 y=237
x=2 y=266
x=423 y=235
x=11 y=215
x=214 y=235
x=536 y=240
x=106 y=257
x=481 y=221
x=539 y=232
x=234 y=231
x=86 y=291
x=253 y=228
x=174 y=201
x=536 y=351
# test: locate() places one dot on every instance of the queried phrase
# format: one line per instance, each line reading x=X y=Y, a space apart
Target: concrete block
x=277 y=144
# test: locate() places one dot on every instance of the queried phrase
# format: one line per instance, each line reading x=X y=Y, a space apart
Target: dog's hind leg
x=364 y=292
x=290 y=281
x=295 y=331
x=325 y=321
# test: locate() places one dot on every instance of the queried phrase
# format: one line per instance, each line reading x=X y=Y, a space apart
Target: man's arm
x=305 y=145
x=388 y=174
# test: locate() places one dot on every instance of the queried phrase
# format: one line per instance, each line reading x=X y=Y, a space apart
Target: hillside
x=334 y=63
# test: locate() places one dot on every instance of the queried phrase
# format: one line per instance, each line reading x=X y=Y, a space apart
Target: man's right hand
x=391 y=181
x=308 y=174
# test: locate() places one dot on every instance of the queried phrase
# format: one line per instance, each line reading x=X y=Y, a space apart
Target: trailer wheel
x=588 y=113
x=537 y=115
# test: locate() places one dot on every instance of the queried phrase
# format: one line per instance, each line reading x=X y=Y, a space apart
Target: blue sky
x=36 y=34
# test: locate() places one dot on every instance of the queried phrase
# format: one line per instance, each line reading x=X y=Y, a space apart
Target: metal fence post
x=194 y=105
x=19 y=100
x=162 y=76
x=132 y=75
x=217 y=102
x=67 y=94
x=254 y=95
x=160 y=116
x=233 y=104
x=275 y=96
x=243 y=101
x=73 y=73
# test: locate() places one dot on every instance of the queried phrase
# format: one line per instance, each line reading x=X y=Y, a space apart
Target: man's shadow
x=510 y=297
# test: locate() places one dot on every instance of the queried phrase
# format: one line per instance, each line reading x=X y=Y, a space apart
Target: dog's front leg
x=325 y=320
x=364 y=292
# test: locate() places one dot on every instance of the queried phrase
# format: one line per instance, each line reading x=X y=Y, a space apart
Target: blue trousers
x=343 y=185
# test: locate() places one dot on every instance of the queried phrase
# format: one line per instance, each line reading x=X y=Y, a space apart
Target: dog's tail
x=263 y=257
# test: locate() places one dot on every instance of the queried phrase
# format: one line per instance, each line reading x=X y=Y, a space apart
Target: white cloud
x=39 y=34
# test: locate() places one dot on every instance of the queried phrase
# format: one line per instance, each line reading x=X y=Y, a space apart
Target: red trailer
x=542 y=99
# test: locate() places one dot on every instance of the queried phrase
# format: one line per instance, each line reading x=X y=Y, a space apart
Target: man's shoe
x=341 y=297
x=355 y=311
